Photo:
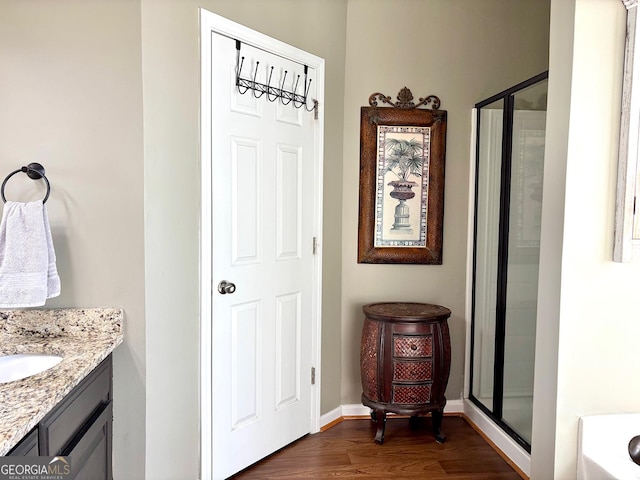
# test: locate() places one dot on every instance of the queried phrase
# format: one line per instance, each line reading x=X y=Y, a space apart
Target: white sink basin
x=23 y=365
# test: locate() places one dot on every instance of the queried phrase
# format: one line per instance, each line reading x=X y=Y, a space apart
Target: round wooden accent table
x=405 y=358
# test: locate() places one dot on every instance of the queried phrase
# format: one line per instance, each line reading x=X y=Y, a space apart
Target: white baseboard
x=504 y=442
x=359 y=410
x=331 y=416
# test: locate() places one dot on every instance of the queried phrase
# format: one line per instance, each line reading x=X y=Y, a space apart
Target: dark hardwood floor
x=348 y=451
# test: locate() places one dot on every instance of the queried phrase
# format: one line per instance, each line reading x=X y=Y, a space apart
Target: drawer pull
x=414 y=346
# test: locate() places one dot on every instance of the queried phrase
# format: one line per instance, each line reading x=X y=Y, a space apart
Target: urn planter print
x=404 y=159
x=403 y=180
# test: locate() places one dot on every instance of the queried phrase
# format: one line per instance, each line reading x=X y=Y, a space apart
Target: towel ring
x=34 y=171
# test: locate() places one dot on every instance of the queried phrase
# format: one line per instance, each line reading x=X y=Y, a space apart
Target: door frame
x=213 y=23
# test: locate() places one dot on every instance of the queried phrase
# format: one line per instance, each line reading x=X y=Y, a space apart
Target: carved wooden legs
x=414 y=422
x=436 y=419
x=380 y=417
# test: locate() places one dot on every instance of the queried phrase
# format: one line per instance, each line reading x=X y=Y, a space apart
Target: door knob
x=225 y=287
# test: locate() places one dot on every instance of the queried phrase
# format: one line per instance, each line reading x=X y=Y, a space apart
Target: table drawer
x=411 y=394
x=412 y=346
x=413 y=371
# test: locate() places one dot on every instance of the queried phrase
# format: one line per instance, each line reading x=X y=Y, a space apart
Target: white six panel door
x=263 y=201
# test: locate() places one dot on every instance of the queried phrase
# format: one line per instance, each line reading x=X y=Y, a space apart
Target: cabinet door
x=91 y=452
x=79 y=427
x=28 y=446
x=62 y=425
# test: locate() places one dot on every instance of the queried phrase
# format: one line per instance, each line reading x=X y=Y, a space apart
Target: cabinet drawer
x=411 y=394
x=77 y=408
x=412 y=346
x=413 y=371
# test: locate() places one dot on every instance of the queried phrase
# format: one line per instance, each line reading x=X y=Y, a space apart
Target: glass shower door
x=509 y=167
x=488 y=177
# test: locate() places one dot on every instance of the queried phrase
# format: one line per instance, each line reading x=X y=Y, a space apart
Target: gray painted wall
x=71 y=99
x=463 y=52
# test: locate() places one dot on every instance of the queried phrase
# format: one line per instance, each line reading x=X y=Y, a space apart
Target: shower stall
x=508 y=204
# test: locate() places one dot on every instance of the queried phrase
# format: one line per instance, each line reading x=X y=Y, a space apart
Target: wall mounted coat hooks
x=274 y=93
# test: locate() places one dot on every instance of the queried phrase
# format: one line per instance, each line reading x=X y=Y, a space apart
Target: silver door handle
x=225 y=287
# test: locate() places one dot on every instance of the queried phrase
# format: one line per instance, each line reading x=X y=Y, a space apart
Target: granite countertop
x=83 y=337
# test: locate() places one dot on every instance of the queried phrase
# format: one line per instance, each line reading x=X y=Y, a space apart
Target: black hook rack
x=273 y=93
x=34 y=171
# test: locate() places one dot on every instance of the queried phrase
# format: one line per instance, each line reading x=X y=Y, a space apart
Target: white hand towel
x=28 y=273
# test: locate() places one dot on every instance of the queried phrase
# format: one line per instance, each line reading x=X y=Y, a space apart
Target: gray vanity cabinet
x=78 y=427
x=28 y=446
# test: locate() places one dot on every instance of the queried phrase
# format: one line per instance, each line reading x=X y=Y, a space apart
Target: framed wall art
x=402 y=160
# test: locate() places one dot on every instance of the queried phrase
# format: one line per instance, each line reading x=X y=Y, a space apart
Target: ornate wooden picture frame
x=402 y=160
